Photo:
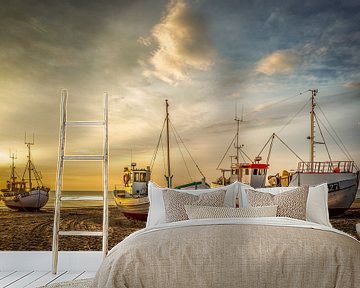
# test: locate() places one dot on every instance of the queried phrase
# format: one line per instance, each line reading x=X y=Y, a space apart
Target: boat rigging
x=23 y=195
x=342 y=176
x=179 y=141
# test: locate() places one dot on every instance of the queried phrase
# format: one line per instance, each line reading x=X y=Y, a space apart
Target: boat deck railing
x=326 y=167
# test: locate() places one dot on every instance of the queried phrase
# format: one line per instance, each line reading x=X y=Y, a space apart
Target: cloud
x=182 y=44
x=352 y=85
x=278 y=62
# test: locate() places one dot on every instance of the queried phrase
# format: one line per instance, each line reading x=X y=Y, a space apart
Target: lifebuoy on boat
x=126 y=178
x=336 y=170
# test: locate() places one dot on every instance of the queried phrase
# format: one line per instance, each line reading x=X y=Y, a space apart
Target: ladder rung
x=83 y=198
x=84 y=157
x=81 y=233
x=84 y=123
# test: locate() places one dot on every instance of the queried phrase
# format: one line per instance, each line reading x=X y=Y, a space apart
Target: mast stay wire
x=191 y=157
x=346 y=153
x=227 y=150
x=153 y=159
x=295 y=115
x=342 y=147
x=256 y=110
x=182 y=155
x=163 y=154
x=277 y=102
x=242 y=152
x=322 y=136
x=287 y=146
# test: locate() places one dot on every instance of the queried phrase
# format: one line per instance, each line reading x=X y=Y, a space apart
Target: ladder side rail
x=60 y=166
x=105 y=178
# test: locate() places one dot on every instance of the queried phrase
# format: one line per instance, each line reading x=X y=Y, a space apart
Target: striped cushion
x=200 y=212
x=290 y=204
x=175 y=201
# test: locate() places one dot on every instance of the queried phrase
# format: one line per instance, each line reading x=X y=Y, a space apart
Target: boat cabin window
x=139 y=177
x=142 y=177
x=235 y=172
x=246 y=171
x=259 y=171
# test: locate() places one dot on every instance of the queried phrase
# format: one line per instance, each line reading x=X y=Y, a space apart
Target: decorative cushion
x=290 y=204
x=175 y=201
x=316 y=206
x=200 y=212
x=156 y=214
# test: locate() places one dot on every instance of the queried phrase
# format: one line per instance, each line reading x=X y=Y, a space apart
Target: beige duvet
x=233 y=253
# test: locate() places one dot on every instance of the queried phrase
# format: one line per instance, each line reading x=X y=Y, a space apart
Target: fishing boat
x=342 y=176
x=247 y=171
x=23 y=194
x=132 y=196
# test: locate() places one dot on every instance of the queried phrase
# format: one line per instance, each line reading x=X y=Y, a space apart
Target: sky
x=208 y=58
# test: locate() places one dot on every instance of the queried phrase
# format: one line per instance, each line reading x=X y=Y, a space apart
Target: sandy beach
x=21 y=231
x=33 y=230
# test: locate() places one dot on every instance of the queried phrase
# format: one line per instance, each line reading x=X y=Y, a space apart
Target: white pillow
x=202 y=212
x=316 y=206
x=156 y=214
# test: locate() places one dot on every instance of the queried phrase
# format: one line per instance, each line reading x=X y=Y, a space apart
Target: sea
x=74 y=204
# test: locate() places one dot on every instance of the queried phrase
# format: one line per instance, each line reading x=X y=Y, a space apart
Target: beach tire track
x=38 y=237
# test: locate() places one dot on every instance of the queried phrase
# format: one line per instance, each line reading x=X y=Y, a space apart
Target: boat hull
x=31 y=200
x=342 y=188
x=133 y=207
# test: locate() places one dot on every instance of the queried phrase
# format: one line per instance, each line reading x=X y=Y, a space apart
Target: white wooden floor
x=31 y=279
x=32 y=268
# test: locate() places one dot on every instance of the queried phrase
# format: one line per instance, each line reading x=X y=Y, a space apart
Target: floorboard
x=4 y=274
x=68 y=276
x=87 y=275
x=46 y=279
x=28 y=279
x=13 y=277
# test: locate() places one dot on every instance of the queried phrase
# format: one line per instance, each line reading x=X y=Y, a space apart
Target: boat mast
x=12 y=176
x=29 y=165
x=237 y=140
x=312 y=126
x=169 y=176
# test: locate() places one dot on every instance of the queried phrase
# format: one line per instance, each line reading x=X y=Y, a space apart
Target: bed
x=233 y=251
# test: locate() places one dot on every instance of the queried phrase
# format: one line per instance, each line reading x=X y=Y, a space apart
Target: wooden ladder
x=64 y=123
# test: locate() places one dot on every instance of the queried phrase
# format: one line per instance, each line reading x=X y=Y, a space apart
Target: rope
x=347 y=155
x=222 y=159
x=297 y=113
x=322 y=136
x=182 y=155
x=153 y=159
x=243 y=152
x=267 y=142
x=289 y=148
x=163 y=153
x=197 y=166
x=279 y=101
x=270 y=148
x=343 y=148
